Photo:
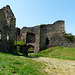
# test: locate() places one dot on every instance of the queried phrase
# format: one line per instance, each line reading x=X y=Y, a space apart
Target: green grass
x=19 y=65
x=19 y=43
x=58 y=52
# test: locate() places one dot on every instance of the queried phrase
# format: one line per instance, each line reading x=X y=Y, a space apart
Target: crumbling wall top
x=6 y=15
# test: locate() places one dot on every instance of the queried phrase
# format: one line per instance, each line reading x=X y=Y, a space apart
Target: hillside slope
x=58 y=52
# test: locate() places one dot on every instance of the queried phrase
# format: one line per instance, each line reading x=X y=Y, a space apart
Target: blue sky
x=35 y=12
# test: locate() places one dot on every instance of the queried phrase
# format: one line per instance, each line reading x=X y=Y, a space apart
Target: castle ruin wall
x=7 y=29
x=45 y=36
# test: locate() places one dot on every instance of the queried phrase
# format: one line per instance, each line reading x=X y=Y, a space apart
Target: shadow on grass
x=33 y=57
x=19 y=54
x=12 y=53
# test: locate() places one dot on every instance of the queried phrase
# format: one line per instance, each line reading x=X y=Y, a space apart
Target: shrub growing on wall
x=27 y=31
x=69 y=37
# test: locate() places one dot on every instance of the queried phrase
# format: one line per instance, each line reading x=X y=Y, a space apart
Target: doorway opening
x=47 y=41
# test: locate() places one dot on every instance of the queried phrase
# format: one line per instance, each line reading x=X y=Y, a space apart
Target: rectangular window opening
x=7 y=38
x=0 y=36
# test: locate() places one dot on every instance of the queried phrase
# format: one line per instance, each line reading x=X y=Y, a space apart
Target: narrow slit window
x=0 y=36
x=7 y=37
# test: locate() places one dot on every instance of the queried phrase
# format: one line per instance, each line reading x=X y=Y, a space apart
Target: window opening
x=7 y=37
x=0 y=36
x=30 y=38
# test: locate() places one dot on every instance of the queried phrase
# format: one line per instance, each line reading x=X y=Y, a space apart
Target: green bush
x=17 y=47
x=69 y=37
x=19 y=43
x=27 y=31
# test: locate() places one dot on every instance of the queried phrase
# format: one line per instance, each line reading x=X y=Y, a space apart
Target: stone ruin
x=44 y=36
x=7 y=29
x=38 y=37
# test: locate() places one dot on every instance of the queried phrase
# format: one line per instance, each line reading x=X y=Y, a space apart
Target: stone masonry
x=7 y=29
x=44 y=36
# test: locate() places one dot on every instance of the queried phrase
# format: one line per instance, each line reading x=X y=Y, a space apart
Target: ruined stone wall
x=54 y=34
x=7 y=29
x=46 y=36
x=48 y=31
x=40 y=37
x=31 y=36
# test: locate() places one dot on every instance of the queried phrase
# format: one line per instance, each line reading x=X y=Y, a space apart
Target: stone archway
x=30 y=49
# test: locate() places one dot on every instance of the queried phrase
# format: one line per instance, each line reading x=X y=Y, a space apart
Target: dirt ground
x=57 y=66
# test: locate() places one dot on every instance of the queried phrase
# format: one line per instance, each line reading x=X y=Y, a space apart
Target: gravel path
x=57 y=66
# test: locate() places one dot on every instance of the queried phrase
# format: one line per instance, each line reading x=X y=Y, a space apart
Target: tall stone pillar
x=37 y=43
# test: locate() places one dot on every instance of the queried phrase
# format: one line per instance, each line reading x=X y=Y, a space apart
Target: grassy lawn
x=58 y=52
x=19 y=65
